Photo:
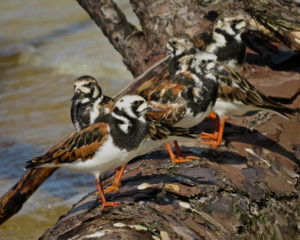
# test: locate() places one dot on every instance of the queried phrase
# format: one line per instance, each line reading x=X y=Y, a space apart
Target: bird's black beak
x=159 y=52
x=153 y=109
x=77 y=95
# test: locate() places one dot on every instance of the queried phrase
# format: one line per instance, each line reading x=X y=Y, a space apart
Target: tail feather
x=183 y=132
x=270 y=104
x=159 y=130
x=33 y=163
x=283 y=100
x=37 y=162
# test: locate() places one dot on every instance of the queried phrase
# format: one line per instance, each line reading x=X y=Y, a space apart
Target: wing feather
x=234 y=87
x=79 y=145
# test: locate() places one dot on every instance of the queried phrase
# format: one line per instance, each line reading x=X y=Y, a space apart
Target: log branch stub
x=13 y=200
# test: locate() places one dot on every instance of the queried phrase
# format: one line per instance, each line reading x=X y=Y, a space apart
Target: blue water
x=44 y=46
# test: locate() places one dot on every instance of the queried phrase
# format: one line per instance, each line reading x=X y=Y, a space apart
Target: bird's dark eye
x=136 y=103
x=89 y=84
x=237 y=21
x=173 y=43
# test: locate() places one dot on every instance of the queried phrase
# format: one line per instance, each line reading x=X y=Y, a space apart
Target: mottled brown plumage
x=89 y=105
x=111 y=143
x=80 y=145
x=234 y=87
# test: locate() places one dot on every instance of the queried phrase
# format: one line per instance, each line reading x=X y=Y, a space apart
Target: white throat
x=125 y=122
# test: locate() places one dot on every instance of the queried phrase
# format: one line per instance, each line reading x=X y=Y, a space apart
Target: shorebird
x=111 y=143
x=88 y=102
x=226 y=40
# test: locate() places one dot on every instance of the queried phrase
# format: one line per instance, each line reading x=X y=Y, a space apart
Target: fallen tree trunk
x=159 y=19
x=249 y=189
x=135 y=47
x=13 y=200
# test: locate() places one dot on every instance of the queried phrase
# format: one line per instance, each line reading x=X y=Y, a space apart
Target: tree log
x=249 y=189
x=13 y=200
x=159 y=19
x=135 y=48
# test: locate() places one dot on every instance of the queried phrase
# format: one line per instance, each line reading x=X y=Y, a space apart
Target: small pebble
x=143 y=186
x=119 y=224
x=185 y=205
x=138 y=227
x=155 y=237
x=164 y=235
x=172 y=187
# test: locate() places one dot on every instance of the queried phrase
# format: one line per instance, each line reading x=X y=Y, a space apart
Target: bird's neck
x=127 y=132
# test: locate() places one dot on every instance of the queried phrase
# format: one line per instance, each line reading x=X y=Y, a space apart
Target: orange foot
x=205 y=135
x=109 y=204
x=111 y=188
x=179 y=157
x=212 y=115
x=117 y=180
x=216 y=137
x=213 y=143
x=105 y=203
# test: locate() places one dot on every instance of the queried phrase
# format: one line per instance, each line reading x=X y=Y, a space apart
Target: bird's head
x=232 y=24
x=86 y=89
x=180 y=44
x=134 y=106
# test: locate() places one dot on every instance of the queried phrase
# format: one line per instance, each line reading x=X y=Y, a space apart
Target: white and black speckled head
x=133 y=106
x=180 y=44
x=86 y=89
x=203 y=62
x=130 y=126
x=232 y=24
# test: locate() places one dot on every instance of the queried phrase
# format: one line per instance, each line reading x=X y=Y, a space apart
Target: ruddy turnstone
x=93 y=109
x=88 y=102
x=185 y=96
x=226 y=41
x=236 y=96
x=103 y=146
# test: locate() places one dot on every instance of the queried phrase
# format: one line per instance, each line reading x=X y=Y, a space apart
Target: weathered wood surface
x=135 y=46
x=13 y=200
x=247 y=189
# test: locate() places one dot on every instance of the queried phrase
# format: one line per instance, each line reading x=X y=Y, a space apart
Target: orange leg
x=117 y=180
x=216 y=137
x=179 y=153
x=179 y=158
x=212 y=115
x=102 y=197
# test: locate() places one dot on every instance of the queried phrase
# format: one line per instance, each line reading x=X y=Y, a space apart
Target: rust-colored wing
x=166 y=95
x=80 y=145
x=153 y=74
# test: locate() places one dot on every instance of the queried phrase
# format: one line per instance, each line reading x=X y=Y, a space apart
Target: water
x=44 y=46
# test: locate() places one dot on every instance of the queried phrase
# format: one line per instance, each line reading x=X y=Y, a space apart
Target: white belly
x=151 y=145
x=236 y=108
x=106 y=158
x=190 y=120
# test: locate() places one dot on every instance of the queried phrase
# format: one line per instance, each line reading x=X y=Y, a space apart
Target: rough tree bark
x=248 y=189
x=135 y=47
x=13 y=200
x=237 y=191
